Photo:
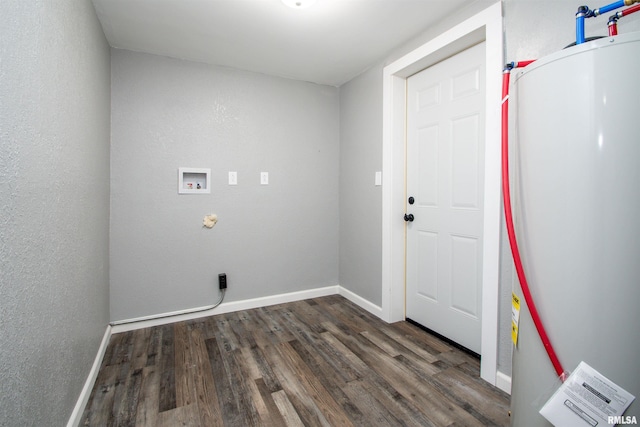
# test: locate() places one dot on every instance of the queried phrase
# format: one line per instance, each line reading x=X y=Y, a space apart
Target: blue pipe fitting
x=508 y=67
x=583 y=12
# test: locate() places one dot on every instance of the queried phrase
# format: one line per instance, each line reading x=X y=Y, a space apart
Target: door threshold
x=445 y=339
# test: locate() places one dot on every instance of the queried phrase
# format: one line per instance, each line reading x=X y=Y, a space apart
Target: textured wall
x=271 y=239
x=360 y=200
x=54 y=205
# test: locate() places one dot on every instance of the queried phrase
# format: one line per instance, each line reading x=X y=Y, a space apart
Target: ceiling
x=328 y=43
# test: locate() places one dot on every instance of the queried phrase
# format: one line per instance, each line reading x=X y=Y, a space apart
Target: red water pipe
x=506 y=192
x=630 y=10
x=613 y=20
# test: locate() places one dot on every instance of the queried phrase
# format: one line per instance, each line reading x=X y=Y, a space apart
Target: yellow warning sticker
x=515 y=317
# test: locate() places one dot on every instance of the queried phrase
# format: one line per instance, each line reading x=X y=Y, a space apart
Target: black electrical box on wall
x=222 y=281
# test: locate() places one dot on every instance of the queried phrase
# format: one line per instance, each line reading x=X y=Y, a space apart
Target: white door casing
x=445 y=180
x=487 y=26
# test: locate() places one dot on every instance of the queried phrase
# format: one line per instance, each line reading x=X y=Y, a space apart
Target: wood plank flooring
x=318 y=362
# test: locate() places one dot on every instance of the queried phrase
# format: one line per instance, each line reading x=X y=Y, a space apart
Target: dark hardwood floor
x=319 y=362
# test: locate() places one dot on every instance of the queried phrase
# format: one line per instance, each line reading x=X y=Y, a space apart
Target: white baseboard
x=225 y=307
x=503 y=382
x=76 y=415
x=361 y=302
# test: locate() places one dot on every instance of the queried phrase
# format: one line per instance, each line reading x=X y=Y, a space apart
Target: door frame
x=484 y=26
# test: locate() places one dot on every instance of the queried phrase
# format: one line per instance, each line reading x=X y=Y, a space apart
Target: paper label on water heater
x=515 y=317
x=587 y=398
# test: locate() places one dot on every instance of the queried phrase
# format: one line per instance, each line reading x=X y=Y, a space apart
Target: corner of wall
x=83 y=399
x=503 y=382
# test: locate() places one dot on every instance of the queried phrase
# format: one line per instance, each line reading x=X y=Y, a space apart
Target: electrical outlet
x=222 y=281
x=264 y=178
x=233 y=178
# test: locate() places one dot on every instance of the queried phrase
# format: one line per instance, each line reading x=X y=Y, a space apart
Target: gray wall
x=272 y=239
x=360 y=199
x=54 y=206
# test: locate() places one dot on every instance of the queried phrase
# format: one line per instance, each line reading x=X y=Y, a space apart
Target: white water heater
x=576 y=191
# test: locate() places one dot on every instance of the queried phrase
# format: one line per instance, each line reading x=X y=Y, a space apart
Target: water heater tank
x=576 y=186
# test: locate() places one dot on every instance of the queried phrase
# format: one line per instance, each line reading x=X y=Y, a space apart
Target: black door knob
x=408 y=217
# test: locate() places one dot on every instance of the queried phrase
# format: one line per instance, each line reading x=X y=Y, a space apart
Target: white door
x=445 y=170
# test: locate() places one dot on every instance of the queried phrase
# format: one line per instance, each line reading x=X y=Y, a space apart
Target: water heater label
x=515 y=317
x=587 y=398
